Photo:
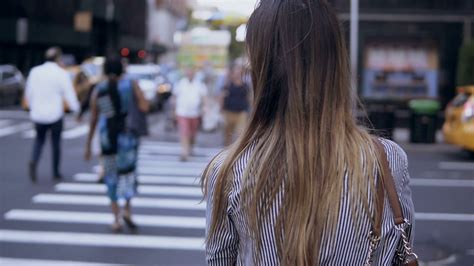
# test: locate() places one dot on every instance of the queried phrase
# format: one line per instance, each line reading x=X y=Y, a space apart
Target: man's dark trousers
x=56 y=129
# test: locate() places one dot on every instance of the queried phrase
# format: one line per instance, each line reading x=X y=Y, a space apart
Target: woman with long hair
x=111 y=103
x=300 y=186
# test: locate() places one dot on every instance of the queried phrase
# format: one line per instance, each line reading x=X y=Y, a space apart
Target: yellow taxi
x=458 y=128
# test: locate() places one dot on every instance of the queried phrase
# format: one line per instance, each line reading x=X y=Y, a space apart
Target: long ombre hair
x=303 y=131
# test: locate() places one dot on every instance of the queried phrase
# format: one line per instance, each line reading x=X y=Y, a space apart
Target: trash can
x=423 y=120
x=382 y=119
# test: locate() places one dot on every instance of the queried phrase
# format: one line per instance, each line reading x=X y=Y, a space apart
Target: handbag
x=136 y=119
x=404 y=254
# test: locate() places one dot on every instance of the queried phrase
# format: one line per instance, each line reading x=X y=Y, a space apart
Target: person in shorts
x=189 y=97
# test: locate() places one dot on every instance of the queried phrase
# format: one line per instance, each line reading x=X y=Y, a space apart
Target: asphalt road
x=56 y=223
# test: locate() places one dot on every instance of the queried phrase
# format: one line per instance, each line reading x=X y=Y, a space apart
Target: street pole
x=354 y=42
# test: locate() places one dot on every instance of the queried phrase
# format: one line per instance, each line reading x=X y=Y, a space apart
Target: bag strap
x=386 y=184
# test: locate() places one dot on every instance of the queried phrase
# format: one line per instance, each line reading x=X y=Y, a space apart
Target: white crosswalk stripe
x=65 y=199
x=15 y=128
x=27 y=262
x=169 y=201
x=142 y=190
x=104 y=240
x=76 y=132
x=167 y=163
x=21 y=125
x=176 y=150
x=72 y=133
x=104 y=218
x=145 y=179
x=171 y=158
x=4 y=122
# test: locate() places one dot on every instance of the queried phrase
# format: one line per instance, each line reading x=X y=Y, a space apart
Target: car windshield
x=460 y=99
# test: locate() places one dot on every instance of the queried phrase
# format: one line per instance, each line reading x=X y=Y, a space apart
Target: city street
x=56 y=223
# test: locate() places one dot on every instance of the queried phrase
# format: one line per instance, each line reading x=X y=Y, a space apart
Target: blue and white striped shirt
x=231 y=246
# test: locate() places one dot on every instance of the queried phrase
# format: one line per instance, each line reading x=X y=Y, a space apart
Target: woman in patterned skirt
x=110 y=105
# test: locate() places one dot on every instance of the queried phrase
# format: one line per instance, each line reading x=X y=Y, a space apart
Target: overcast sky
x=244 y=7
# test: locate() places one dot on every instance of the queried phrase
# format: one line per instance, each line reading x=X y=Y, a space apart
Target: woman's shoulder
x=239 y=163
x=394 y=152
x=398 y=161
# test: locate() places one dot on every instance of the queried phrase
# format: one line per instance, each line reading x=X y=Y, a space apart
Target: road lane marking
x=15 y=262
x=172 y=158
x=145 y=179
x=171 y=163
x=5 y=131
x=76 y=132
x=72 y=133
x=15 y=114
x=452 y=217
x=103 y=240
x=441 y=182
x=173 y=147
x=29 y=134
x=142 y=190
x=188 y=222
x=169 y=143
x=175 y=151
x=4 y=122
x=465 y=166
x=183 y=204
x=170 y=171
x=173 y=171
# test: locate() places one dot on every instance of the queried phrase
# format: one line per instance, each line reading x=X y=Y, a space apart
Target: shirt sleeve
x=177 y=89
x=203 y=89
x=69 y=94
x=222 y=247
x=29 y=86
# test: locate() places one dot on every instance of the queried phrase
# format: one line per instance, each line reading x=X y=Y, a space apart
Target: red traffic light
x=124 y=52
x=141 y=54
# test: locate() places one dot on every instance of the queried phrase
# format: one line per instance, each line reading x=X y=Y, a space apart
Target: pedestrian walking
x=304 y=184
x=235 y=103
x=111 y=104
x=189 y=97
x=49 y=93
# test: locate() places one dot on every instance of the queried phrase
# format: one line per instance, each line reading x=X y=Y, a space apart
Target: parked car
x=458 y=128
x=12 y=85
x=153 y=83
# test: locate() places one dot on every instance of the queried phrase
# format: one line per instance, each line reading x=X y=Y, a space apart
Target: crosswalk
x=75 y=216
x=24 y=128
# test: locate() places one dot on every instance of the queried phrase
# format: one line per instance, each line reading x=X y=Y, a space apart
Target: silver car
x=12 y=84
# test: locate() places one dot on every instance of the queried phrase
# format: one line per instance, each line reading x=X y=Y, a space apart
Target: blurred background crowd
x=406 y=49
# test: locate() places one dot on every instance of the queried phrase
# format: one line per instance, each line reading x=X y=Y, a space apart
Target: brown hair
x=304 y=129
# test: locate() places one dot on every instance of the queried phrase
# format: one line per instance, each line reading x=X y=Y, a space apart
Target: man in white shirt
x=49 y=91
x=189 y=97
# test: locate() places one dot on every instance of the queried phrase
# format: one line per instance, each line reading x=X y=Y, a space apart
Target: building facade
x=165 y=18
x=81 y=27
x=425 y=34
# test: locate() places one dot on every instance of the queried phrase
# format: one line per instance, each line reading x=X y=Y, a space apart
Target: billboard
x=400 y=71
x=201 y=45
